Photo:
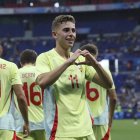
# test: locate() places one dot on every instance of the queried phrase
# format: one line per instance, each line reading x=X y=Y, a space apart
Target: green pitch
x=125 y=130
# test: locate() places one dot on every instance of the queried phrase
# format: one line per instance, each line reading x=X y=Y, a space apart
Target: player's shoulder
x=4 y=61
x=7 y=63
x=45 y=54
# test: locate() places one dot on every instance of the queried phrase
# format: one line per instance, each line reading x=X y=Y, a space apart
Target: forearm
x=112 y=105
x=103 y=75
x=48 y=78
x=111 y=111
x=21 y=101
x=23 y=108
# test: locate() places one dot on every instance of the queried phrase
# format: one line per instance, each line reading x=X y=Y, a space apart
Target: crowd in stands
x=127 y=77
x=126 y=49
x=117 y=39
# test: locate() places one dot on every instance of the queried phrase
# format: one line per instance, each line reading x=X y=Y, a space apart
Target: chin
x=70 y=45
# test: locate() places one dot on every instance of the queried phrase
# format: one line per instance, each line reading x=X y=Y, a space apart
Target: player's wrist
x=69 y=62
x=96 y=64
x=26 y=122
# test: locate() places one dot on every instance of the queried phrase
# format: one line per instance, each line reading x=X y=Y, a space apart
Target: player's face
x=65 y=35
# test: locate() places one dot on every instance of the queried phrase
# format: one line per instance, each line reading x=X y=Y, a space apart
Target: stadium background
x=113 y=25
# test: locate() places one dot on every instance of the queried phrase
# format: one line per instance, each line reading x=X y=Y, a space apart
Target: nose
x=71 y=33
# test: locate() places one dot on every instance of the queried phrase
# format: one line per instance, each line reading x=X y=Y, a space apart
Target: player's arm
x=112 y=104
x=22 y=106
x=102 y=78
x=48 y=78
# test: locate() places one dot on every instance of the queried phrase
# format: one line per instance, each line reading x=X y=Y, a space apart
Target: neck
x=65 y=53
x=27 y=64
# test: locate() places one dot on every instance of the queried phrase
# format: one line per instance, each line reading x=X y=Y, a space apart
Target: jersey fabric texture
x=98 y=100
x=8 y=76
x=89 y=137
x=6 y=135
x=66 y=110
x=34 y=97
x=34 y=135
x=101 y=132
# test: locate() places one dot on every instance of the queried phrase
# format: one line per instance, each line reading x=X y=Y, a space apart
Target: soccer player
x=34 y=96
x=101 y=101
x=62 y=74
x=9 y=82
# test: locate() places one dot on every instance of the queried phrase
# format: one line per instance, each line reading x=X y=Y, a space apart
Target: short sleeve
x=90 y=72
x=42 y=64
x=14 y=76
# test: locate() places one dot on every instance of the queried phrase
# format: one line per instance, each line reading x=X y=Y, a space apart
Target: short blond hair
x=60 y=19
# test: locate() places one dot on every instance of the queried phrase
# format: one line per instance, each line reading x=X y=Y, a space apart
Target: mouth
x=70 y=41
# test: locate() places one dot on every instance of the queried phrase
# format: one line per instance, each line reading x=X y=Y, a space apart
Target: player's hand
x=110 y=122
x=75 y=55
x=89 y=59
x=26 y=130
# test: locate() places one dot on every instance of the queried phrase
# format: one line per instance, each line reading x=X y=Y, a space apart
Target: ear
x=54 y=34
